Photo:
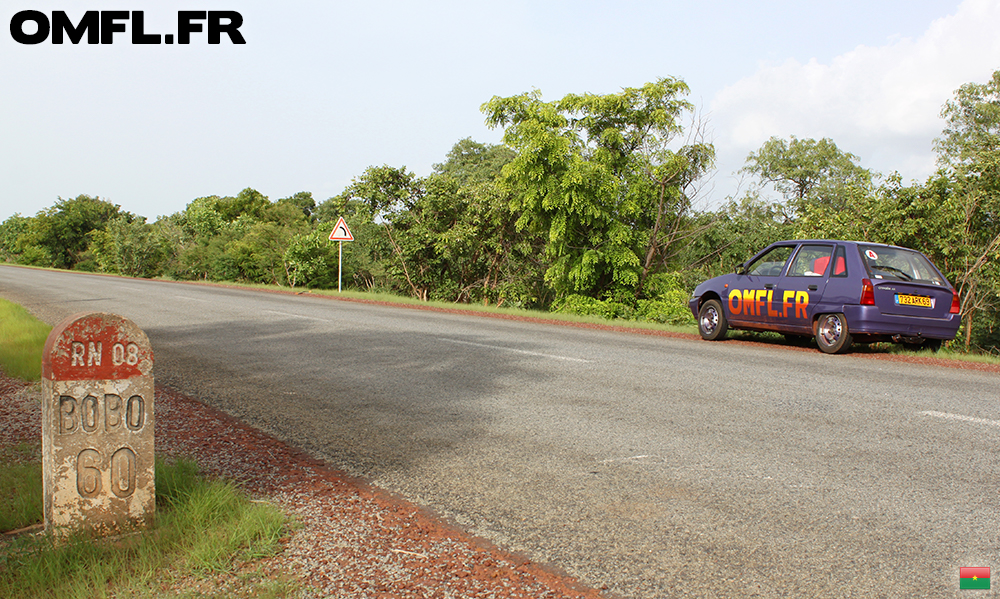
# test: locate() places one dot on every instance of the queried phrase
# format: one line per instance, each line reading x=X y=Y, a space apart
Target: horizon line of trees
x=588 y=206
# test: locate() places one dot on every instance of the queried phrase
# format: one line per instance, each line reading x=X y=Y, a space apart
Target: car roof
x=842 y=241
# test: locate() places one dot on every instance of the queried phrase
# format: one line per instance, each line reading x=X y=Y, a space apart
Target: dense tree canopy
x=807 y=171
x=595 y=175
x=60 y=236
x=972 y=118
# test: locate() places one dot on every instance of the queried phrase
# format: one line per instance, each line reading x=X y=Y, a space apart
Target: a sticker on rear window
x=871 y=254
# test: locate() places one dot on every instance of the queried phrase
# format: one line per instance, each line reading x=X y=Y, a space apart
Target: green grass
x=22 y=338
x=945 y=354
x=20 y=486
x=204 y=528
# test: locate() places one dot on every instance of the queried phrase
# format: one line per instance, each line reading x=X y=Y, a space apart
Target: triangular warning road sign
x=341 y=232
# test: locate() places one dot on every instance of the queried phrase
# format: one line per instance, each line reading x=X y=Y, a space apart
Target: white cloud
x=881 y=103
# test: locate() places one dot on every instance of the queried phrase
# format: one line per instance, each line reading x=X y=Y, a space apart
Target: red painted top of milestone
x=96 y=346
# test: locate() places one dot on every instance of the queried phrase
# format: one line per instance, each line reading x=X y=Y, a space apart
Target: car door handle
x=813 y=288
x=769 y=286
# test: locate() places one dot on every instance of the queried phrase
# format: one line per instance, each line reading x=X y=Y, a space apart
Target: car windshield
x=899 y=264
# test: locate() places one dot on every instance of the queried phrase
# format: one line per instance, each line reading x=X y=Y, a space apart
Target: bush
x=578 y=304
x=589 y=306
x=672 y=309
x=666 y=304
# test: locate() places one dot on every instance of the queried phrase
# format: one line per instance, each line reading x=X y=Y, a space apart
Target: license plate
x=921 y=301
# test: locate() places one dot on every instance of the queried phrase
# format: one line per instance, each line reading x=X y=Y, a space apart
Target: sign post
x=340 y=234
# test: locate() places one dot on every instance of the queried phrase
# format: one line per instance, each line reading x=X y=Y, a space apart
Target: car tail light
x=867 y=293
x=956 y=304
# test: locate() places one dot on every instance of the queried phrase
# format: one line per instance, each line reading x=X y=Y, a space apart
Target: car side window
x=771 y=263
x=840 y=263
x=811 y=261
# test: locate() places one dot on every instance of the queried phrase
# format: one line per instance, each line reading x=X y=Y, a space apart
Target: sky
x=322 y=90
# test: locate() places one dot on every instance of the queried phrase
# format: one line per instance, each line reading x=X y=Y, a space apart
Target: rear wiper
x=892 y=269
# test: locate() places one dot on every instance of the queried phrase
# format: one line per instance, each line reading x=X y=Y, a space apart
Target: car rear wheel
x=832 y=335
x=712 y=323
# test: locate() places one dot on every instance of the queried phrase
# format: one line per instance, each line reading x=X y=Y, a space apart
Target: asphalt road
x=656 y=467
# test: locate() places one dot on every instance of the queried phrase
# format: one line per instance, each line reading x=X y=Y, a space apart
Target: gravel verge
x=350 y=539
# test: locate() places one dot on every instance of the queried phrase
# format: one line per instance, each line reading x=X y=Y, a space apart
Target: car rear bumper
x=870 y=320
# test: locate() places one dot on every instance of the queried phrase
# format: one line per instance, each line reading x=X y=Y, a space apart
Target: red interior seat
x=819 y=265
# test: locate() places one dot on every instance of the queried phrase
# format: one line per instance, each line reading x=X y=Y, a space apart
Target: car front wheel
x=832 y=335
x=712 y=323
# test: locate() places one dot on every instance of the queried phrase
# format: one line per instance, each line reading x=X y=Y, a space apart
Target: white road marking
x=519 y=351
x=962 y=418
x=290 y=315
x=193 y=299
x=634 y=458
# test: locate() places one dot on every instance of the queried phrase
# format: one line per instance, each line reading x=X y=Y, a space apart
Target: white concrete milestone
x=97 y=425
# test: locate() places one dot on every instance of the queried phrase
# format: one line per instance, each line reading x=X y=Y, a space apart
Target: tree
x=963 y=218
x=889 y=213
x=386 y=190
x=731 y=235
x=303 y=200
x=594 y=174
x=249 y=202
x=972 y=124
x=201 y=218
x=968 y=191
x=236 y=238
x=472 y=163
x=672 y=177
x=60 y=236
x=383 y=196
x=806 y=171
x=310 y=260
x=449 y=236
x=10 y=234
x=258 y=243
x=484 y=256
x=128 y=246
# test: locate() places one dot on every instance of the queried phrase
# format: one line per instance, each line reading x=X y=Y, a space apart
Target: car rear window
x=899 y=264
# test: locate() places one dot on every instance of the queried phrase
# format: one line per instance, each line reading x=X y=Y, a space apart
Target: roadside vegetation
x=206 y=530
x=592 y=205
x=22 y=338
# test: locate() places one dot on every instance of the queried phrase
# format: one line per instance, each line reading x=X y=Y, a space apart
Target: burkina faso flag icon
x=974 y=578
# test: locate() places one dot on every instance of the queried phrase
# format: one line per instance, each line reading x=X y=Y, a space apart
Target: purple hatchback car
x=836 y=291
